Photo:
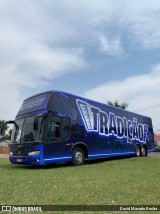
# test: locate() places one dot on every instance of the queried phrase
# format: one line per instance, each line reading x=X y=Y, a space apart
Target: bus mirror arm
x=2 y=127
x=7 y=122
x=35 y=124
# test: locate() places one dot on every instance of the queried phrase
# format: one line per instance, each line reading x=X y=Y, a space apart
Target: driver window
x=58 y=128
x=53 y=129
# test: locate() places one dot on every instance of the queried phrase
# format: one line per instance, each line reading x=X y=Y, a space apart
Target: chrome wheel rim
x=137 y=151
x=78 y=157
x=143 y=151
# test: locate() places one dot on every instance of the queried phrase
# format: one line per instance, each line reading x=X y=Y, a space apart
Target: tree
x=116 y=104
x=5 y=127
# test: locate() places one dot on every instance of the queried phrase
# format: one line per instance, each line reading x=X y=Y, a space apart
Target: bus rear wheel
x=138 y=151
x=78 y=157
x=143 y=151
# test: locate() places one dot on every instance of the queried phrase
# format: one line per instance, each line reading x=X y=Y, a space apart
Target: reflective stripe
x=57 y=158
x=111 y=154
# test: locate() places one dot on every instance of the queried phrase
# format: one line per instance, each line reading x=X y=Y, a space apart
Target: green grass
x=119 y=181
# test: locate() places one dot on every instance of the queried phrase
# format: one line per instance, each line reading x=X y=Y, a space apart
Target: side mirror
x=35 y=124
x=7 y=122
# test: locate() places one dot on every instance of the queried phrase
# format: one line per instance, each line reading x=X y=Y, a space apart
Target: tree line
x=116 y=104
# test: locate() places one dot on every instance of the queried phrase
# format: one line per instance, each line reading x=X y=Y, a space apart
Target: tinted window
x=24 y=131
x=58 y=128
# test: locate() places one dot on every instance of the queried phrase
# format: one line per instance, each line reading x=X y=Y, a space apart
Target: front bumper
x=27 y=160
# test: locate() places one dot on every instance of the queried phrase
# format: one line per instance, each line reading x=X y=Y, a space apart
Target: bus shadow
x=69 y=164
x=49 y=166
x=109 y=159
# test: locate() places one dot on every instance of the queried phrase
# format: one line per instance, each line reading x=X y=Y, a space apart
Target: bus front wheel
x=78 y=157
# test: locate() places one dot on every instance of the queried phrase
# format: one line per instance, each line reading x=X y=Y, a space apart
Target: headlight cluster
x=33 y=153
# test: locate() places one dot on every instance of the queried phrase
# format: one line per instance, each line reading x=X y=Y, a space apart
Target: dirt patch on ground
x=4 y=155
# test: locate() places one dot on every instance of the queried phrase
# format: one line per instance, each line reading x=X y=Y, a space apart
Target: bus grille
x=19 y=151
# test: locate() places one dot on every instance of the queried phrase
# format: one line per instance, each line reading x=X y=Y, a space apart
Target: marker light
x=33 y=153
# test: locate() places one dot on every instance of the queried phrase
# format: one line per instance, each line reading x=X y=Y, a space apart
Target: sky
x=103 y=50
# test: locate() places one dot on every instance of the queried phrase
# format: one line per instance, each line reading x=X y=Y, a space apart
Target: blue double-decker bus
x=56 y=126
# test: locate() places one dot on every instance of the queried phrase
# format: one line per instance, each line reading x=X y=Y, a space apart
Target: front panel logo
x=107 y=123
x=33 y=104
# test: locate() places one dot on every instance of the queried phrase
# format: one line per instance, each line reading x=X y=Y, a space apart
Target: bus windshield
x=24 y=132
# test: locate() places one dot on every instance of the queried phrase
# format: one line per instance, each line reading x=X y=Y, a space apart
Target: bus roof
x=84 y=98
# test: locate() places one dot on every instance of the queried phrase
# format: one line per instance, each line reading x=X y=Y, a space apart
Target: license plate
x=19 y=160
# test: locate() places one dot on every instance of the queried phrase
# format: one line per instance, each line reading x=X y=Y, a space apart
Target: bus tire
x=143 y=151
x=138 y=151
x=78 y=157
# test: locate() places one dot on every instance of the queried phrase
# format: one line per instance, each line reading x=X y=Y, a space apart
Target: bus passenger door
x=57 y=147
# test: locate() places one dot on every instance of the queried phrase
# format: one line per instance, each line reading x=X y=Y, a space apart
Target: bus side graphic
x=107 y=123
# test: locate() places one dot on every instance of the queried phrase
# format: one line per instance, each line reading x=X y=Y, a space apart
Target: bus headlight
x=33 y=153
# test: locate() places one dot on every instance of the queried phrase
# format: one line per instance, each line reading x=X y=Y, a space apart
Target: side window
x=53 y=130
x=58 y=129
